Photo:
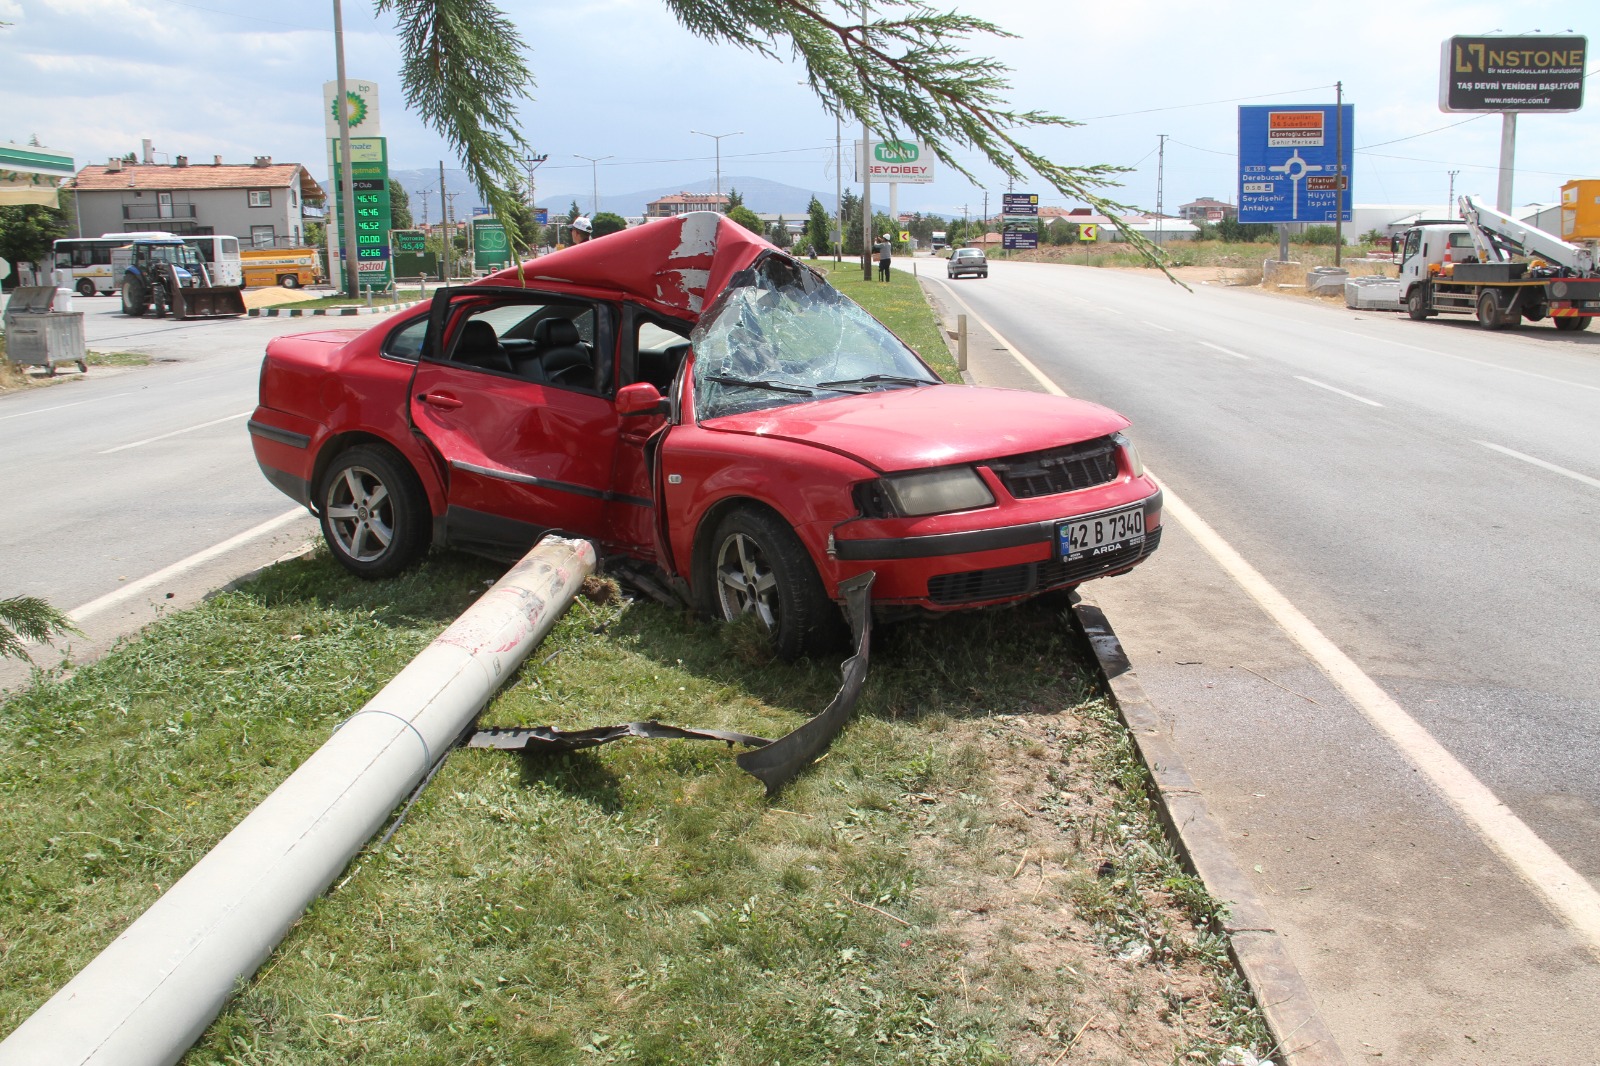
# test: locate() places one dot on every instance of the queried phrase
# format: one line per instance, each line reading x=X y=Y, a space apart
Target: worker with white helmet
x=581 y=229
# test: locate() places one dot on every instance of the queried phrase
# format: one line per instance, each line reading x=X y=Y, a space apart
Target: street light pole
x=594 y=173
x=718 y=138
x=348 y=194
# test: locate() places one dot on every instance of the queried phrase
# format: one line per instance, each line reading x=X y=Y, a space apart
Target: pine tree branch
x=28 y=618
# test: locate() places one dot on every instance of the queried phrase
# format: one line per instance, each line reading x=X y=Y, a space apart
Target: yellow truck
x=292 y=268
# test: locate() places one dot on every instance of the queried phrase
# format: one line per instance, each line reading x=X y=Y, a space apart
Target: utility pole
x=348 y=194
x=444 y=215
x=983 y=223
x=1161 y=177
x=424 y=193
x=1450 y=202
x=838 y=186
x=866 y=173
x=532 y=163
x=1338 y=172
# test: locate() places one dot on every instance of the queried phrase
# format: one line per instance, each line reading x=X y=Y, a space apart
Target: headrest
x=478 y=335
x=555 y=333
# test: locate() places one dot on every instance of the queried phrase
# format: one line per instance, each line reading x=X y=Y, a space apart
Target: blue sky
x=620 y=78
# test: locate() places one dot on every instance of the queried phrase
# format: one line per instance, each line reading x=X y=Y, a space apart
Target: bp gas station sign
x=369 y=178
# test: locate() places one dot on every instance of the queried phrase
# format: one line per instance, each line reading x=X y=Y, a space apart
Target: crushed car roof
x=676 y=265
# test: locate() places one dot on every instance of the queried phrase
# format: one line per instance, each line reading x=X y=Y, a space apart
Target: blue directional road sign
x=1289 y=166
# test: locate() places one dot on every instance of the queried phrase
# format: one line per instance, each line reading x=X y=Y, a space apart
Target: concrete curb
x=1302 y=1038
x=328 y=312
x=1257 y=949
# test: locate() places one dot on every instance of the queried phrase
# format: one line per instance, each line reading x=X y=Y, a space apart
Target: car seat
x=479 y=346
x=563 y=355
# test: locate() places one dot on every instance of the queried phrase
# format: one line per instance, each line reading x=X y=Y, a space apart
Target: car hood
x=940 y=425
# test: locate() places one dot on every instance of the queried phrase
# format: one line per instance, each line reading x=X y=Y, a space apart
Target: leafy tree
x=819 y=227
x=28 y=618
x=316 y=235
x=519 y=215
x=735 y=199
x=1205 y=231
x=574 y=211
x=749 y=220
x=850 y=204
x=26 y=233
x=901 y=71
x=608 y=222
x=1232 y=231
x=1060 y=231
x=778 y=233
x=399 y=206
x=1325 y=235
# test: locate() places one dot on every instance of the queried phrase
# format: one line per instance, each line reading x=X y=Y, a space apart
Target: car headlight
x=937 y=491
x=1135 y=464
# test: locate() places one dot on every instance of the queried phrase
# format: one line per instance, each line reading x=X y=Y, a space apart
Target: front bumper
x=974 y=567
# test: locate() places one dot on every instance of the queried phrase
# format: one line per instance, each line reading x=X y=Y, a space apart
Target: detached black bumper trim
x=282 y=436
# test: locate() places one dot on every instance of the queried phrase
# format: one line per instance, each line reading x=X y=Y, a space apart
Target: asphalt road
x=1426 y=496
x=123 y=473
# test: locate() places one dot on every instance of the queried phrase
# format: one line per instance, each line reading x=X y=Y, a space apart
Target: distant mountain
x=760 y=194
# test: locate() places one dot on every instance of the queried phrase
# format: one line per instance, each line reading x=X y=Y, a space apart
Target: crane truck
x=1472 y=267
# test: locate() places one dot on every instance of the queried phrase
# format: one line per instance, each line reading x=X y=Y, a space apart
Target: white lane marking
x=1049 y=386
x=1220 y=348
x=57 y=407
x=1163 y=329
x=1468 y=359
x=1563 y=889
x=175 y=433
x=1563 y=471
x=1113 y=310
x=127 y=592
x=1341 y=392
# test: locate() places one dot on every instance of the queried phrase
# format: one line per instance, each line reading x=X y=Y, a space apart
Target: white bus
x=220 y=255
x=87 y=260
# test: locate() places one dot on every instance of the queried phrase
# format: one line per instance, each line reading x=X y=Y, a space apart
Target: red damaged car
x=712 y=414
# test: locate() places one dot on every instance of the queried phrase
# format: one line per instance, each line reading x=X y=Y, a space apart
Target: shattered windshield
x=778 y=336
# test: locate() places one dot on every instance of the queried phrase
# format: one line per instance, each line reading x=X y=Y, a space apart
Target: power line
x=1205 y=103
x=1424 y=133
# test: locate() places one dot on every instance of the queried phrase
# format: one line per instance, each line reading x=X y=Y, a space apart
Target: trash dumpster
x=37 y=335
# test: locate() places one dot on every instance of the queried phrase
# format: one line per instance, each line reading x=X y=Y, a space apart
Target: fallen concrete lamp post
x=150 y=995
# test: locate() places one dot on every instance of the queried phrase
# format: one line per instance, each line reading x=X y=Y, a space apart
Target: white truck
x=1473 y=267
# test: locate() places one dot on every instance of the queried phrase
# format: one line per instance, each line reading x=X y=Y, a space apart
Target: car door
x=526 y=431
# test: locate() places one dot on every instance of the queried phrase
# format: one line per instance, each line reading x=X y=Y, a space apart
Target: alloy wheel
x=360 y=514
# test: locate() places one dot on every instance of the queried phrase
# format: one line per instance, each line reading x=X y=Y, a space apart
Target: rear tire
x=1569 y=324
x=86 y=287
x=132 y=299
x=1489 y=314
x=1417 y=303
x=289 y=281
x=758 y=566
x=374 y=511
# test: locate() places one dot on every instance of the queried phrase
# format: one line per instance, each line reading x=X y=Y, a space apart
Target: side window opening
x=551 y=342
x=659 y=350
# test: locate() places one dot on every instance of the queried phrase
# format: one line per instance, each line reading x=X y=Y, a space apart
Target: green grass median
x=972 y=874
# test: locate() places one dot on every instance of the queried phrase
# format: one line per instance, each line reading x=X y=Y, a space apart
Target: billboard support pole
x=1508 y=151
x=1283 y=242
x=1338 y=171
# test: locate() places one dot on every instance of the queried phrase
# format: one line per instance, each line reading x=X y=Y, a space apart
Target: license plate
x=1110 y=533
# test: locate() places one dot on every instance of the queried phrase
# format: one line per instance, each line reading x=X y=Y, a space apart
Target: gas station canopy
x=30 y=174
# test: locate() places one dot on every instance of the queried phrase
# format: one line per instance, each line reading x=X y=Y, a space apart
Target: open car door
x=513 y=391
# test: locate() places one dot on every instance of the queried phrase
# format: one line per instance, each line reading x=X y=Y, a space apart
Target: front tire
x=86 y=287
x=289 y=281
x=1417 y=303
x=759 y=566
x=374 y=511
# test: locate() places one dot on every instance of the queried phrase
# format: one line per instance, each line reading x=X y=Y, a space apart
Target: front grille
x=1077 y=466
x=1025 y=579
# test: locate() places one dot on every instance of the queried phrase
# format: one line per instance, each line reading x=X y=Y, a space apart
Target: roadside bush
x=1322 y=235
